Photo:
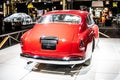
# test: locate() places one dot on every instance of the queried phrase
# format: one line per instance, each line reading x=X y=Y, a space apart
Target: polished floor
x=105 y=65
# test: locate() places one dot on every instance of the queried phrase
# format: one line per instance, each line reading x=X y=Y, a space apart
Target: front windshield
x=67 y=18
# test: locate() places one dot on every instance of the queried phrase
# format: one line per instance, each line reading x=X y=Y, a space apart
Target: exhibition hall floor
x=105 y=65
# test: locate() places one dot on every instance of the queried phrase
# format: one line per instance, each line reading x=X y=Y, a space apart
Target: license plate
x=49 y=44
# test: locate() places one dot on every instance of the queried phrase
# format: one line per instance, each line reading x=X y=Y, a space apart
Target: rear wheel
x=87 y=62
x=93 y=45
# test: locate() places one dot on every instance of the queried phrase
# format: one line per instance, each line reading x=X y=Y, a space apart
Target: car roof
x=74 y=12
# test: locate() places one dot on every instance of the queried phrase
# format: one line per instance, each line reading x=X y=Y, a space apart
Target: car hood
x=7 y=19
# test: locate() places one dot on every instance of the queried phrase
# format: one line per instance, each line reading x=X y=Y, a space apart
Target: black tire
x=93 y=45
x=88 y=62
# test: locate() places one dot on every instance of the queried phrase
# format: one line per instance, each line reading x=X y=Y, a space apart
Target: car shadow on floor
x=57 y=69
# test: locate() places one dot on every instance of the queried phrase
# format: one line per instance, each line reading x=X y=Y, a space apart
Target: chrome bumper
x=57 y=61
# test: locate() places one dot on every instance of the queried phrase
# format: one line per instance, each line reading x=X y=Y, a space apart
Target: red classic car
x=63 y=37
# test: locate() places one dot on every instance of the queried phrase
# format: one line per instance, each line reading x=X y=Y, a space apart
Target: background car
x=63 y=37
x=19 y=19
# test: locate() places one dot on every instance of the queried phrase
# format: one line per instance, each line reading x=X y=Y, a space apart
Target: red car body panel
x=69 y=37
x=61 y=32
